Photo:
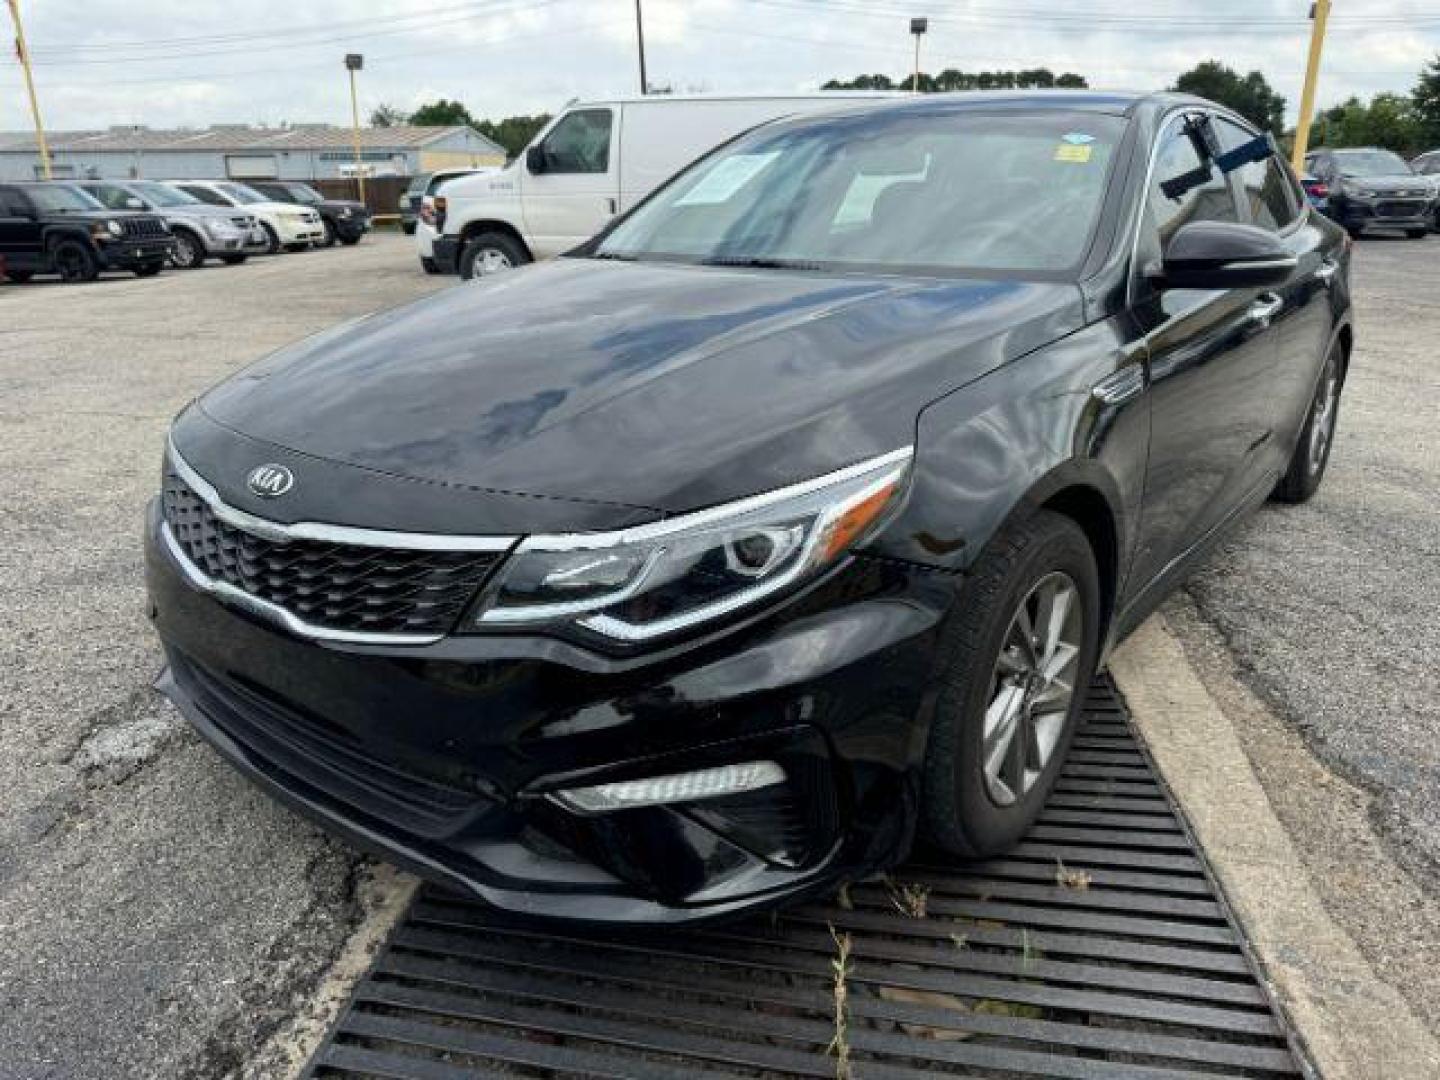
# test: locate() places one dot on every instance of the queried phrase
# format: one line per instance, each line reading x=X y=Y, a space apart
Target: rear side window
x=110 y=195
x=1265 y=185
x=12 y=203
x=205 y=195
x=579 y=143
x=1185 y=188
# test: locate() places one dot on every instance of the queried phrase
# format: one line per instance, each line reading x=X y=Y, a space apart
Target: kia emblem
x=270 y=481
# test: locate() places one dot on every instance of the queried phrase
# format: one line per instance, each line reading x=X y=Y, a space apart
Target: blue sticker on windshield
x=1077 y=138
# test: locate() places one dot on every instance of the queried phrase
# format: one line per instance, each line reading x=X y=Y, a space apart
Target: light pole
x=24 y=54
x=1318 y=14
x=353 y=63
x=918 y=28
x=640 y=40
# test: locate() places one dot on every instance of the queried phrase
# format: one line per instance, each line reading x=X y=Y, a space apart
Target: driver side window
x=112 y=196
x=580 y=143
x=1185 y=188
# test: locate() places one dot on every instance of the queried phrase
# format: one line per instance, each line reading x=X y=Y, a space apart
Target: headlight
x=643 y=583
x=114 y=228
x=220 y=227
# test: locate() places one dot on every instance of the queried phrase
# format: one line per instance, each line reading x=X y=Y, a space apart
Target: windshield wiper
x=760 y=262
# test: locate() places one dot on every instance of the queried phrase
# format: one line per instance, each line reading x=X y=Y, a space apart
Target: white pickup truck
x=592 y=161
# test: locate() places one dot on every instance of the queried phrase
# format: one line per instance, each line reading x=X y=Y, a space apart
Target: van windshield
x=898 y=191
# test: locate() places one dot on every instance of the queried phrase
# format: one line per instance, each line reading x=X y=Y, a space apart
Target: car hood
x=270 y=207
x=339 y=204
x=1388 y=185
x=655 y=387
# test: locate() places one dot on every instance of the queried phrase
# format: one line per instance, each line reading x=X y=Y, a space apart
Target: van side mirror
x=1223 y=255
x=535 y=159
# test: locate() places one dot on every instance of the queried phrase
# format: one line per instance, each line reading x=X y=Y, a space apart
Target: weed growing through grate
x=1070 y=879
x=840 y=1044
x=912 y=900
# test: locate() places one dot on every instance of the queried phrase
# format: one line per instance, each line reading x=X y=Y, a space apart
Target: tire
x=1355 y=231
x=19 y=277
x=408 y=228
x=1317 y=437
x=272 y=240
x=1417 y=234
x=293 y=248
x=189 y=251
x=330 y=235
x=489 y=253
x=965 y=811
x=233 y=260
x=429 y=265
x=149 y=269
x=350 y=241
x=74 y=262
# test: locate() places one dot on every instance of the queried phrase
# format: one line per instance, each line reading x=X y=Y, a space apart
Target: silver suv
x=201 y=230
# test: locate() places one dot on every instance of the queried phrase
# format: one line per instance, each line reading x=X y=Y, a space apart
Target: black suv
x=1373 y=188
x=51 y=228
x=345 y=219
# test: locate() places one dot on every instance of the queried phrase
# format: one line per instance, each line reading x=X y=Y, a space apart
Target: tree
x=1249 y=95
x=514 y=132
x=441 y=113
x=1425 y=101
x=388 y=116
x=1388 y=120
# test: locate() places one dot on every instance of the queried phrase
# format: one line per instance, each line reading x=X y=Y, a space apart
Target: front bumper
x=446 y=253
x=440 y=757
x=1382 y=214
x=351 y=228
x=122 y=254
x=300 y=232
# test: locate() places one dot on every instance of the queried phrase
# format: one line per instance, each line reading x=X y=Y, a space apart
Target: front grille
x=243 y=221
x=143 y=227
x=325 y=756
x=1400 y=208
x=345 y=587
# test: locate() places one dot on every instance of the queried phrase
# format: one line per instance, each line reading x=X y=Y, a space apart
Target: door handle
x=610 y=204
x=1264 y=309
x=1326 y=271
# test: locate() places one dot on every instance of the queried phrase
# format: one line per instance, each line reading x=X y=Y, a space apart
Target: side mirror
x=535 y=159
x=1223 y=255
x=132 y=203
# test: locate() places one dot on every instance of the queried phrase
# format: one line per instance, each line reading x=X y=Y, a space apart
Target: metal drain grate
x=1097 y=950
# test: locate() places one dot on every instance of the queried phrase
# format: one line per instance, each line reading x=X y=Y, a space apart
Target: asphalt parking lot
x=158 y=917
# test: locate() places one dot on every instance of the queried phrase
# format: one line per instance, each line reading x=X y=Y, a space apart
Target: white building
x=241 y=152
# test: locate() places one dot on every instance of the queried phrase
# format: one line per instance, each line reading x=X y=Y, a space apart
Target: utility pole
x=1319 y=12
x=918 y=28
x=353 y=63
x=24 y=54
x=640 y=40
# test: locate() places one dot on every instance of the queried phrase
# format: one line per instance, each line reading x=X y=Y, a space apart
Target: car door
x=1270 y=199
x=1211 y=356
x=575 y=194
x=20 y=230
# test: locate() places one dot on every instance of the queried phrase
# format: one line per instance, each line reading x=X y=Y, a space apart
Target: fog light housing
x=686 y=787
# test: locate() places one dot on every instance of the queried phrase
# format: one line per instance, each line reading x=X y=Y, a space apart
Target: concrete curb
x=1352 y=1022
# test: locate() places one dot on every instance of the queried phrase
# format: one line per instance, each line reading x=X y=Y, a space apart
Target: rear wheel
x=1017 y=655
x=189 y=251
x=491 y=253
x=75 y=262
x=1417 y=234
x=20 y=277
x=233 y=260
x=1312 y=451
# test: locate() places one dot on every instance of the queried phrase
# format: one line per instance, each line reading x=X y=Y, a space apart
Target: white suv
x=286 y=225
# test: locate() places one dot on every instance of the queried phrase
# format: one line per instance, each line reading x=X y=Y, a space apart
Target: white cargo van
x=592 y=161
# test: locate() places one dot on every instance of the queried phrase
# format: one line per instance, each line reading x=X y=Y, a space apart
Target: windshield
x=61 y=199
x=1372 y=163
x=902 y=191
x=163 y=194
x=417 y=183
x=302 y=193
x=242 y=194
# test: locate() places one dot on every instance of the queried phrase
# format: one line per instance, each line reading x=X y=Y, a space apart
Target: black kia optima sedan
x=773 y=531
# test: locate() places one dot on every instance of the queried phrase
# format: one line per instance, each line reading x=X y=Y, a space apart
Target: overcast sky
x=168 y=63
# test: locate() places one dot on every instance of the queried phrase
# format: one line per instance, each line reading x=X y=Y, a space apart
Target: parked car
x=200 y=230
x=1316 y=191
x=345 y=220
x=1428 y=166
x=56 y=228
x=1373 y=188
x=286 y=225
x=590 y=162
x=425 y=183
x=784 y=521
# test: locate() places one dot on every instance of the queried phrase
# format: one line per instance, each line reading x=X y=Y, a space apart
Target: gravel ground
x=158 y=916
x=1330 y=609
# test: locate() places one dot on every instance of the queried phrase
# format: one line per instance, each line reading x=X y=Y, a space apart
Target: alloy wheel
x=1032 y=686
x=1322 y=424
x=489 y=261
x=187 y=252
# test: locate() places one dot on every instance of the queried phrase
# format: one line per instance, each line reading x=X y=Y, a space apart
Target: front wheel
x=330 y=235
x=1417 y=234
x=491 y=253
x=149 y=269
x=233 y=260
x=189 y=251
x=1312 y=451
x=75 y=262
x=272 y=239
x=1016 y=657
